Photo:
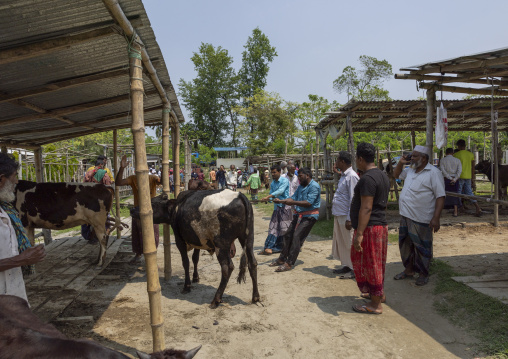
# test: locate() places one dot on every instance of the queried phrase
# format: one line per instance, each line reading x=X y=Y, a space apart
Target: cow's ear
x=164 y=196
x=142 y=355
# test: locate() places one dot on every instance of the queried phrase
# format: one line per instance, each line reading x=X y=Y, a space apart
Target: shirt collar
x=348 y=170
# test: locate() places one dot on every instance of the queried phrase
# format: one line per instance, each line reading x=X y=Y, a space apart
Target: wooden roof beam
x=373 y=113
x=85 y=124
x=472 y=78
x=466 y=90
x=45 y=47
x=379 y=123
x=480 y=64
x=71 y=109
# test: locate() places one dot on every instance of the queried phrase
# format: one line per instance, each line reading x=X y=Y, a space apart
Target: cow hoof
x=185 y=290
x=195 y=280
x=215 y=304
x=256 y=299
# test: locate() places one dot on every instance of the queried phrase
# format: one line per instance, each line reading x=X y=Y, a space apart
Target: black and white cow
x=210 y=220
x=65 y=205
x=24 y=336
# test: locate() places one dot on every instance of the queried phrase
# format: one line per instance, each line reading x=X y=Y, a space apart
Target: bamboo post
x=117 y=188
x=495 y=163
x=20 y=161
x=188 y=165
x=39 y=175
x=166 y=189
x=145 y=206
x=431 y=105
x=67 y=178
x=413 y=140
x=316 y=163
x=3 y=149
x=176 y=158
x=26 y=166
x=351 y=141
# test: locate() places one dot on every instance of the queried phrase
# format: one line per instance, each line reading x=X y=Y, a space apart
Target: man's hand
x=123 y=162
x=357 y=242
x=348 y=225
x=434 y=224
x=404 y=160
x=265 y=199
x=32 y=255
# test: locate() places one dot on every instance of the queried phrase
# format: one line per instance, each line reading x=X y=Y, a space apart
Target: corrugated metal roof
x=32 y=22
x=378 y=116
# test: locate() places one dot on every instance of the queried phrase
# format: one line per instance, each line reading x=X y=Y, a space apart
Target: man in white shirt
x=420 y=204
x=13 y=239
x=342 y=233
x=292 y=178
x=232 y=178
x=451 y=168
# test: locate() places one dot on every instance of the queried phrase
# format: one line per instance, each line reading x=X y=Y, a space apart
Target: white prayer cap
x=423 y=149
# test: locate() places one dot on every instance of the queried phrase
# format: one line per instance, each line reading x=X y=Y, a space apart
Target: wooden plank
x=108 y=277
x=75 y=319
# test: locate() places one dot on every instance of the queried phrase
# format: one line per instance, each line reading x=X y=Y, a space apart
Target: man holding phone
x=15 y=248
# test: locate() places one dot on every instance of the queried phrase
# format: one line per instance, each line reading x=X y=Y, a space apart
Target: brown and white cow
x=24 y=336
x=65 y=205
x=199 y=185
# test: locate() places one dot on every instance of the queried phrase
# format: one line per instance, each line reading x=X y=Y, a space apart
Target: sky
x=316 y=39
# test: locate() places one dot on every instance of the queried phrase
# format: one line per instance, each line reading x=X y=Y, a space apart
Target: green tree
x=212 y=94
x=269 y=122
x=365 y=84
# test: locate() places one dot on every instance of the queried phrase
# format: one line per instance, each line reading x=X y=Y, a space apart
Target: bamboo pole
x=145 y=206
x=20 y=161
x=166 y=189
x=40 y=177
x=176 y=158
x=495 y=155
x=117 y=188
x=351 y=141
x=496 y=202
x=3 y=149
x=431 y=105
x=26 y=167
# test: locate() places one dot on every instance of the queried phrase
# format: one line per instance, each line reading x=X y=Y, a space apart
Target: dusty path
x=305 y=313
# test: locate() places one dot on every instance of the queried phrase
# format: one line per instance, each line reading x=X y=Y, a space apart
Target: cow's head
x=170 y=354
x=162 y=208
x=483 y=167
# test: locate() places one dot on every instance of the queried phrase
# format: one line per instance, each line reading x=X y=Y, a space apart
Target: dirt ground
x=305 y=313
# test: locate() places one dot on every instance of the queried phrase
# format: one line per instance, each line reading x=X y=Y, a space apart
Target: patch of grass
x=393 y=238
x=266 y=208
x=323 y=228
x=484 y=316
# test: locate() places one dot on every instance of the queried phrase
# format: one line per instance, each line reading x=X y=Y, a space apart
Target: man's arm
x=399 y=168
x=363 y=220
x=29 y=256
x=119 y=180
x=435 y=221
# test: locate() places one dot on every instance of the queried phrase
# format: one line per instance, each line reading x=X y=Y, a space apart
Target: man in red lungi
x=368 y=218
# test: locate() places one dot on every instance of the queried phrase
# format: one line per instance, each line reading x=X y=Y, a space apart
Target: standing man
x=342 y=233
x=137 y=234
x=254 y=182
x=421 y=202
x=370 y=241
x=281 y=216
x=307 y=200
x=104 y=161
x=221 y=177
x=213 y=180
x=451 y=168
x=284 y=167
x=292 y=178
x=232 y=177
x=467 y=160
x=15 y=248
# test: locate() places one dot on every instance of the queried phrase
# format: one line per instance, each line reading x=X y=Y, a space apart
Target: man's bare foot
x=367 y=296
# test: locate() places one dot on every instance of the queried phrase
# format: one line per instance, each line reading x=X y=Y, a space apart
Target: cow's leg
x=248 y=245
x=195 y=261
x=30 y=232
x=227 y=267
x=182 y=247
x=100 y=232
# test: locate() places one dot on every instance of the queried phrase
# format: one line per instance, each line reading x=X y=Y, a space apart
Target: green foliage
x=269 y=120
x=212 y=94
x=366 y=83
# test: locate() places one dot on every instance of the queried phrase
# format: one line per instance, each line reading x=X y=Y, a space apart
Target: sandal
x=422 y=280
x=283 y=268
x=350 y=275
x=364 y=310
x=403 y=275
x=276 y=263
x=265 y=253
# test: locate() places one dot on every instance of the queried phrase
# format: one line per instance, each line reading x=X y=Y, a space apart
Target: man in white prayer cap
x=420 y=204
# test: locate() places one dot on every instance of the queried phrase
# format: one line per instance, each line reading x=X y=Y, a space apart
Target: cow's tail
x=248 y=237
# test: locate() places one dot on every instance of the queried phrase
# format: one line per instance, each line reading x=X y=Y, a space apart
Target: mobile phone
x=408 y=157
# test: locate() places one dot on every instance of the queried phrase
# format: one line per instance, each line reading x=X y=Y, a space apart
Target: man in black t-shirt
x=370 y=241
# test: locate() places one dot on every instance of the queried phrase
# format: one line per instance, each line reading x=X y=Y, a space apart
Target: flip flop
x=283 y=268
x=402 y=275
x=264 y=253
x=422 y=281
x=364 y=310
x=275 y=263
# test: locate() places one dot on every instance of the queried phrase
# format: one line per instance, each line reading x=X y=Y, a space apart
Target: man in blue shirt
x=307 y=200
x=282 y=216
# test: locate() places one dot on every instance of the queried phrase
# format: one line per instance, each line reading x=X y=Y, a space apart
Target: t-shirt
x=133 y=182
x=107 y=170
x=465 y=158
x=373 y=183
x=212 y=175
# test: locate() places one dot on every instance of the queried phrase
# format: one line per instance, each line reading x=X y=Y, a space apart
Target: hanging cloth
x=441 y=127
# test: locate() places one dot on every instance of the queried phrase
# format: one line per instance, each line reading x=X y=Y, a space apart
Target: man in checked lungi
x=370 y=239
x=282 y=216
x=306 y=201
x=420 y=204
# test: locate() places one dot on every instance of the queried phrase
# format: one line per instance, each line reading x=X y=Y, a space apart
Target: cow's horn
x=142 y=355
x=191 y=353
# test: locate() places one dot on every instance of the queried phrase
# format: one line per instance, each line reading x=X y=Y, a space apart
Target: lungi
x=279 y=225
x=137 y=236
x=342 y=240
x=415 y=244
x=449 y=200
x=369 y=265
